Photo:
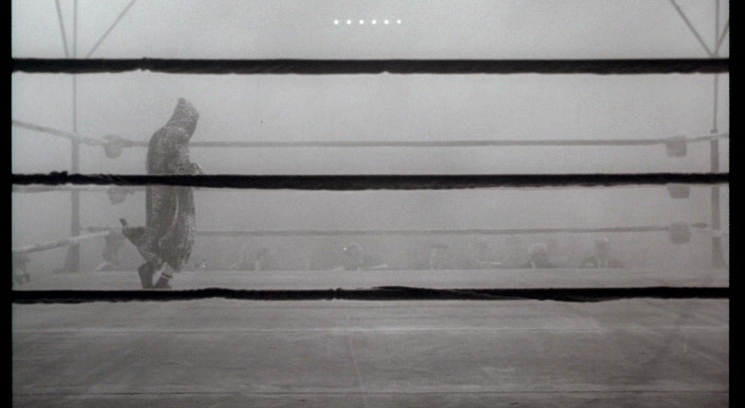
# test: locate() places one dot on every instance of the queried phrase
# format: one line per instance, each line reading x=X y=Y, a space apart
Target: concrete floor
x=234 y=353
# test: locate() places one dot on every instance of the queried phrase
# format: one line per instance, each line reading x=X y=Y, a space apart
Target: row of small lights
x=373 y=22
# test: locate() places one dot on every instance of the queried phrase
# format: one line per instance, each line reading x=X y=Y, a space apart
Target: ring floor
x=337 y=353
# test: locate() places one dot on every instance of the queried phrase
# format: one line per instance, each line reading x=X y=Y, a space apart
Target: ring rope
x=346 y=144
x=375 y=181
x=376 y=66
x=479 y=231
x=386 y=293
x=56 y=244
x=63 y=188
x=102 y=231
x=61 y=133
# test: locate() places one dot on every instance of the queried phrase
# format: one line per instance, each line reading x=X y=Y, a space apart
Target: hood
x=184 y=116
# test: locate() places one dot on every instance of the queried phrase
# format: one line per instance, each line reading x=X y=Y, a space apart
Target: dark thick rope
x=372 y=294
x=376 y=182
x=376 y=66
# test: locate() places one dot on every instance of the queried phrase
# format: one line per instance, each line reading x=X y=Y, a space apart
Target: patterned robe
x=170 y=224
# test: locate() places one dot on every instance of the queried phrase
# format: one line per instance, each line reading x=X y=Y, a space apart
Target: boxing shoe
x=162 y=282
x=146 y=275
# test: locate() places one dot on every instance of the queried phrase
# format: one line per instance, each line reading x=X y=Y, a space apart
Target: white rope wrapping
x=56 y=244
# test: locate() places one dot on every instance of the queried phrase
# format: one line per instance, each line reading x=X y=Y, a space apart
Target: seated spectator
x=21 y=274
x=201 y=265
x=354 y=258
x=482 y=256
x=264 y=261
x=538 y=257
x=437 y=256
x=261 y=260
x=602 y=258
x=245 y=263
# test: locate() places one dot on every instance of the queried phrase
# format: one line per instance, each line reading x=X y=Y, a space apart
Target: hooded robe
x=170 y=223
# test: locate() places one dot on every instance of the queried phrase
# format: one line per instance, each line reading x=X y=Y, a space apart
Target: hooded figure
x=170 y=223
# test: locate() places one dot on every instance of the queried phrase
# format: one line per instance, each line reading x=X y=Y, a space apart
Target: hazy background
x=428 y=29
x=378 y=107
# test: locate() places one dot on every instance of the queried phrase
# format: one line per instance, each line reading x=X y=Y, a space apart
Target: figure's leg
x=163 y=280
x=146 y=275
x=153 y=264
x=146 y=242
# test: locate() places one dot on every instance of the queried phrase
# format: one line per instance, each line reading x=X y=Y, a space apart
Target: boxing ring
x=383 y=337
x=429 y=323
x=119 y=187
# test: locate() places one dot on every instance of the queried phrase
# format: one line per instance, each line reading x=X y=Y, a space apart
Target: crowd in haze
x=481 y=254
x=353 y=256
